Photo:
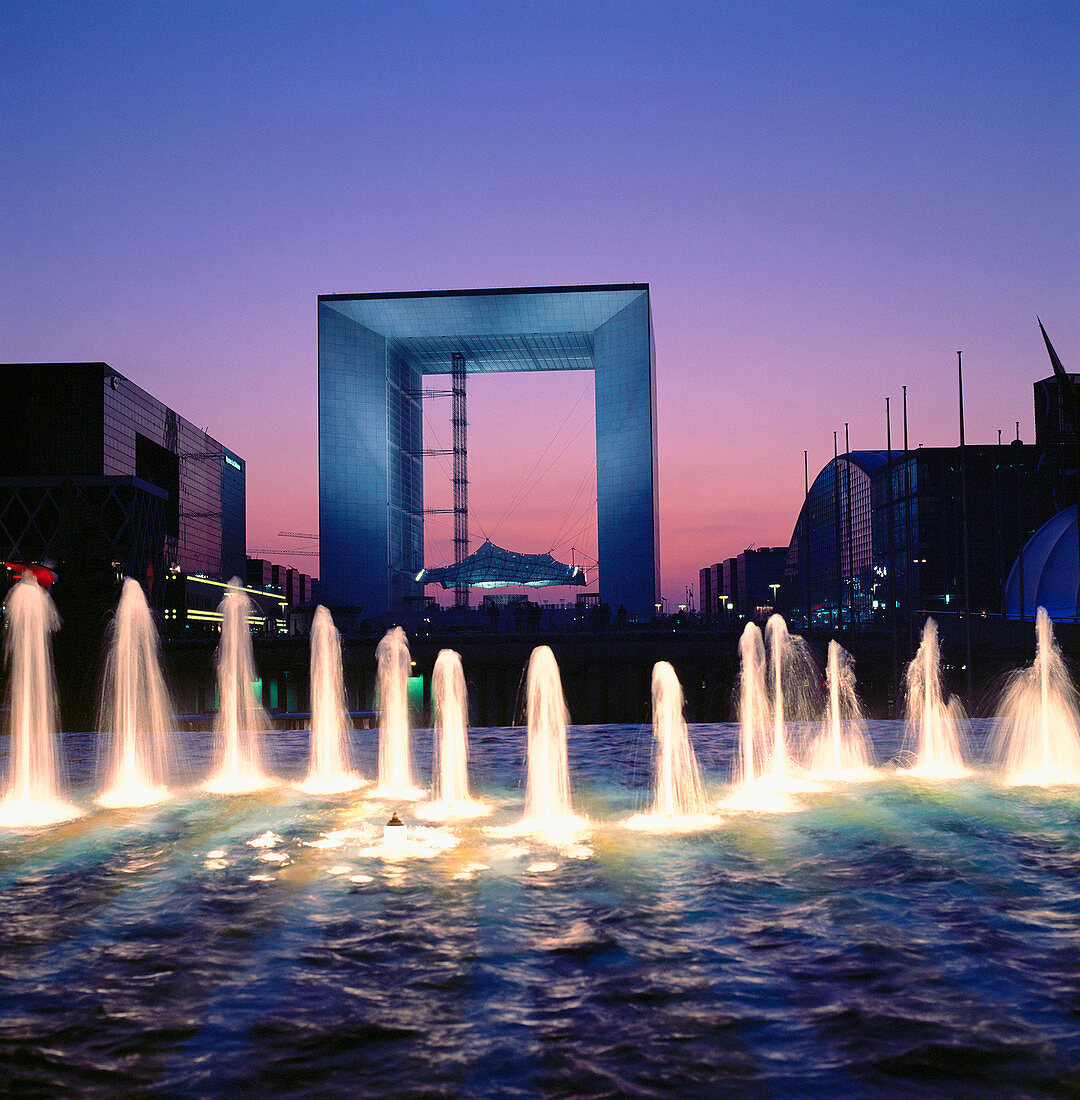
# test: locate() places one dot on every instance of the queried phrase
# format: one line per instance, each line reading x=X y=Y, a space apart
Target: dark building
x=743 y=587
x=883 y=531
x=918 y=522
x=105 y=481
x=759 y=575
x=877 y=528
x=97 y=470
x=829 y=573
x=295 y=588
x=259 y=573
x=706 y=587
x=192 y=602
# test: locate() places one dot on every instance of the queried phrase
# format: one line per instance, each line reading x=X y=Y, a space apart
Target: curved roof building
x=1047 y=572
x=831 y=554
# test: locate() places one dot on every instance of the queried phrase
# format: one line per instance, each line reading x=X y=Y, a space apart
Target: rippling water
x=898 y=938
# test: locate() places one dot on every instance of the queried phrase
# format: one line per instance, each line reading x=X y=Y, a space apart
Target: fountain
x=238 y=767
x=753 y=707
x=395 y=759
x=33 y=795
x=793 y=676
x=933 y=724
x=679 y=791
x=679 y=796
x=329 y=771
x=755 y=784
x=135 y=712
x=450 y=776
x=548 y=808
x=841 y=751
x=1036 y=740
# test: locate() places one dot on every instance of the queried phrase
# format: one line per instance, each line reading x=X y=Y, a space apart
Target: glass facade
x=85 y=419
x=829 y=574
x=374 y=351
x=233 y=516
x=918 y=521
x=875 y=533
x=198 y=511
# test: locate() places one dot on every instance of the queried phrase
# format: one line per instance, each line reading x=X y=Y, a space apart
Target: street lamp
x=774 y=588
x=918 y=577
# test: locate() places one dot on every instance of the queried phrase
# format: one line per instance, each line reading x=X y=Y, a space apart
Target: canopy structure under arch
x=493 y=567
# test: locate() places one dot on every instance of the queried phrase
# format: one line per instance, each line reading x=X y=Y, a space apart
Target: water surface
x=897 y=938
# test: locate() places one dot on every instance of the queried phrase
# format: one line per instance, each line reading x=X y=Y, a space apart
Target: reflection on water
x=900 y=938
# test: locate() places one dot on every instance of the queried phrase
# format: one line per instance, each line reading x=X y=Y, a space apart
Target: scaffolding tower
x=459 y=422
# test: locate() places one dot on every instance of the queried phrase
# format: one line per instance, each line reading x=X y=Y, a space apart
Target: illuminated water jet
x=934 y=723
x=330 y=770
x=753 y=707
x=1036 y=739
x=395 y=757
x=793 y=677
x=840 y=751
x=750 y=790
x=238 y=767
x=548 y=808
x=136 y=712
x=679 y=800
x=33 y=794
x=450 y=771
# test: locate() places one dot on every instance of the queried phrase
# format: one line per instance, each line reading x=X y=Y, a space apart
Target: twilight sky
x=828 y=200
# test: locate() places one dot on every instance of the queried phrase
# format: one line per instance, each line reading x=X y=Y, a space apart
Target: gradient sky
x=827 y=200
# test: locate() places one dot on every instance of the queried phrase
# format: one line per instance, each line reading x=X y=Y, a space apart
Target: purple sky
x=828 y=201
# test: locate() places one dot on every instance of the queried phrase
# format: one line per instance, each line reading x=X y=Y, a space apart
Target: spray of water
x=450 y=761
x=679 y=803
x=395 y=757
x=238 y=767
x=756 y=786
x=679 y=791
x=33 y=795
x=841 y=751
x=547 y=787
x=330 y=770
x=934 y=723
x=753 y=758
x=450 y=766
x=793 y=678
x=1036 y=741
x=135 y=715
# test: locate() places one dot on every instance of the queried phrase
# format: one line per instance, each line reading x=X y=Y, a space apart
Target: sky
x=827 y=200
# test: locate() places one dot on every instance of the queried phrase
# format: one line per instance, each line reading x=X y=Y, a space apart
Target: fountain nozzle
x=395 y=835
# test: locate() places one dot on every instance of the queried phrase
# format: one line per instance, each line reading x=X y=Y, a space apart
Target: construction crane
x=277 y=551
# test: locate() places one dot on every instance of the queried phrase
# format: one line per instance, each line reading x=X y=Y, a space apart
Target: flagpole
x=964 y=522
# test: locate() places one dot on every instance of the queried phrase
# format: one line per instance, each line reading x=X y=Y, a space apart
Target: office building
x=97 y=472
x=742 y=587
x=879 y=530
x=374 y=352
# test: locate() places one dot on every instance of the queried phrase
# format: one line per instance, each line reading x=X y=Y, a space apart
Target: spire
x=1059 y=370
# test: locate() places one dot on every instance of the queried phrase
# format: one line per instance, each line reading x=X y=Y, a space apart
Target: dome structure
x=1047 y=572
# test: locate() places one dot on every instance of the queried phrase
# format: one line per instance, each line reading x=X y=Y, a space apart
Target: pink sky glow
x=819 y=225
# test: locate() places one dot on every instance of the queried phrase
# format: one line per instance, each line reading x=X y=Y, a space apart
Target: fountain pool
x=904 y=938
